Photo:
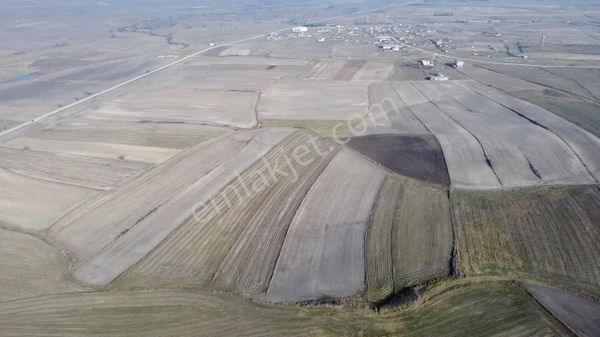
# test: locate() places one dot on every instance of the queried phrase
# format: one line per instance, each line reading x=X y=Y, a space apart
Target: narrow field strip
x=236 y=245
x=149 y=231
x=323 y=254
x=409 y=240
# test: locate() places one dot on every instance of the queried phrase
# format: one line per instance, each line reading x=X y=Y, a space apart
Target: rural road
x=169 y=65
x=498 y=63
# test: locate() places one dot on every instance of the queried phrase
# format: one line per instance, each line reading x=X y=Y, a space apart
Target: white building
x=300 y=29
x=427 y=63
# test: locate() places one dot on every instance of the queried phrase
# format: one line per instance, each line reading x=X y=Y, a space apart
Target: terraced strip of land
x=236 y=243
x=374 y=71
x=544 y=232
x=585 y=145
x=94 y=173
x=94 y=225
x=323 y=253
x=577 y=81
x=521 y=153
x=468 y=165
x=184 y=104
x=491 y=140
x=288 y=100
x=409 y=240
x=388 y=114
x=166 y=135
x=147 y=232
x=574 y=109
x=144 y=154
x=34 y=204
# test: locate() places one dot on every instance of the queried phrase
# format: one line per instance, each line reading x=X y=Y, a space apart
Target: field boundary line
x=174 y=63
x=543 y=307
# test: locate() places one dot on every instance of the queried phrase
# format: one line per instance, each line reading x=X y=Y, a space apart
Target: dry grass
x=546 y=232
x=31 y=267
x=499 y=309
x=409 y=240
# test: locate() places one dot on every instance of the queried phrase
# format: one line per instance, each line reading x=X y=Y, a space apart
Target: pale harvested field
x=147 y=232
x=584 y=144
x=349 y=70
x=35 y=204
x=409 y=240
x=237 y=248
x=144 y=154
x=322 y=100
x=248 y=60
x=520 y=152
x=576 y=110
x=30 y=267
x=464 y=155
x=407 y=71
x=239 y=77
x=586 y=80
x=324 y=70
x=96 y=173
x=581 y=82
x=546 y=232
x=97 y=223
x=349 y=49
x=498 y=80
x=389 y=113
x=323 y=254
x=374 y=71
x=183 y=105
x=167 y=135
x=581 y=315
x=294 y=48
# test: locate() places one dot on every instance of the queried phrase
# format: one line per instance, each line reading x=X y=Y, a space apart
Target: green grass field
x=466 y=310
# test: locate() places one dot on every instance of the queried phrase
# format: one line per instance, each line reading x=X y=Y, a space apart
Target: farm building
x=458 y=64
x=438 y=77
x=300 y=29
x=388 y=46
x=427 y=63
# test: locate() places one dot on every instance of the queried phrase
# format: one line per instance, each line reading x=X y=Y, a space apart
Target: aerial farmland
x=300 y=168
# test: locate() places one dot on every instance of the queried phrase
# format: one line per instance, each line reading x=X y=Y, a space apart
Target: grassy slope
x=31 y=267
x=477 y=310
x=325 y=128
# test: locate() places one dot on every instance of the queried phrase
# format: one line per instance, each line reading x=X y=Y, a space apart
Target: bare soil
x=415 y=156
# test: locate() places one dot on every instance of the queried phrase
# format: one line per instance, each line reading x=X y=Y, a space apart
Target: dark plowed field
x=418 y=157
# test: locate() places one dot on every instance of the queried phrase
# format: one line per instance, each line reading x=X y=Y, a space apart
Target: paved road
x=166 y=66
